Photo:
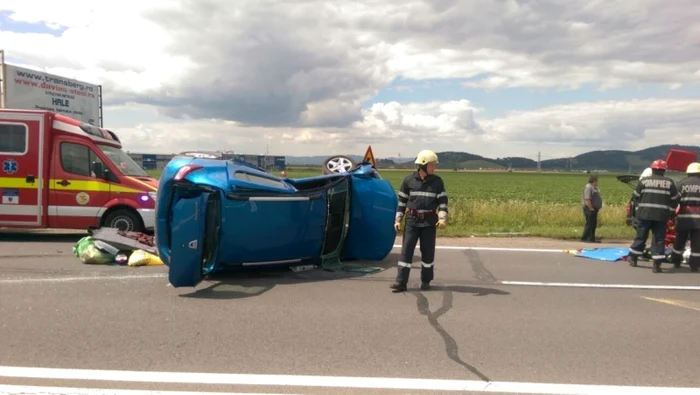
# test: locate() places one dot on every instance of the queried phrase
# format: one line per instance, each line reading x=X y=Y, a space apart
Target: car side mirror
x=98 y=169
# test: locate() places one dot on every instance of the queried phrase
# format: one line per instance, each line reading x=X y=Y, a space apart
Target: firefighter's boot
x=632 y=259
x=657 y=267
x=400 y=284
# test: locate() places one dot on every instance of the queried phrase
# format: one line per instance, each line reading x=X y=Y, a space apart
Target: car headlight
x=153 y=195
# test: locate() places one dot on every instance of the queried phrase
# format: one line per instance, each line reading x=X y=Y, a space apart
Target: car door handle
x=63 y=183
x=30 y=179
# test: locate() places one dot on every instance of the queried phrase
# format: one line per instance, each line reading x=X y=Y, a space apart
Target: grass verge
x=561 y=221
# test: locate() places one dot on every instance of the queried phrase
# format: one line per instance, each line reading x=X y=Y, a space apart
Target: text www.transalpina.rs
x=54 y=84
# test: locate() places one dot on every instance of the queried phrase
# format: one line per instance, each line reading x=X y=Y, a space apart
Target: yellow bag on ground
x=91 y=255
x=143 y=258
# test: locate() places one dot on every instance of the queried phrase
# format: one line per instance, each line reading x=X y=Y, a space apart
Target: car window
x=259 y=180
x=78 y=159
x=13 y=138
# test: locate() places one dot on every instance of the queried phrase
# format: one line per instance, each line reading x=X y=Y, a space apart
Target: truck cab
x=58 y=172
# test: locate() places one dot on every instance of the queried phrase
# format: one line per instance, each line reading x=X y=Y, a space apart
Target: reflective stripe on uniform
x=421 y=193
x=654 y=205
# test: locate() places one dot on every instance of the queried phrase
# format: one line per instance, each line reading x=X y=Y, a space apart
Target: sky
x=494 y=78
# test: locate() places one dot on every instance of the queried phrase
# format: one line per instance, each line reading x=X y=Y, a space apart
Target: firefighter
x=423 y=200
x=655 y=198
x=688 y=219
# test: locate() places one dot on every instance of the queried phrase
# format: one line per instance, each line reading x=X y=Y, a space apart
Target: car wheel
x=125 y=220
x=338 y=164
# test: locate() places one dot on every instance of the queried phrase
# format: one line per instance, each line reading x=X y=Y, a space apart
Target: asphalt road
x=494 y=320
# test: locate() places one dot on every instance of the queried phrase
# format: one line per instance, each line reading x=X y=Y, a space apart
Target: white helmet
x=693 y=168
x=645 y=173
x=426 y=156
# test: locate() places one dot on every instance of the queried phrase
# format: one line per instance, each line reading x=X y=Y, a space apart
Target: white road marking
x=25 y=389
x=335 y=382
x=81 y=278
x=619 y=286
x=492 y=248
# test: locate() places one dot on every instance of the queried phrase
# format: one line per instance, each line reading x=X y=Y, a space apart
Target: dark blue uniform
x=688 y=223
x=423 y=202
x=656 y=199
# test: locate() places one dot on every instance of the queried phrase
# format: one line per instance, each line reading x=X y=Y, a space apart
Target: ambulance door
x=77 y=196
x=21 y=165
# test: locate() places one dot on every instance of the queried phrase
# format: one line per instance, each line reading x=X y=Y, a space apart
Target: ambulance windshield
x=123 y=161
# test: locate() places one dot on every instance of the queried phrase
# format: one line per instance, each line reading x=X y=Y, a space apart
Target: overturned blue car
x=215 y=215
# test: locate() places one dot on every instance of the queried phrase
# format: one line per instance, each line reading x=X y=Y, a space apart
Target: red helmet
x=659 y=164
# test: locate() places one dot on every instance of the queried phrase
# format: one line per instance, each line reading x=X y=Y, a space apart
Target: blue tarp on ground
x=611 y=254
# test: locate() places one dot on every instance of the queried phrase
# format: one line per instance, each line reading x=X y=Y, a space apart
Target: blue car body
x=215 y=215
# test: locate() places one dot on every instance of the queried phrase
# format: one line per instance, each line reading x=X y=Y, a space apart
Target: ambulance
x=58 y=172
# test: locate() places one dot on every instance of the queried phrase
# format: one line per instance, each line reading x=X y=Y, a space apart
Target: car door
x=193 y=236
x=77 y=197
x=21 y=166
x=271 y=228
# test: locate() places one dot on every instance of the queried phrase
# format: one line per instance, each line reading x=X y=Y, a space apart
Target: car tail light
x=185 y=170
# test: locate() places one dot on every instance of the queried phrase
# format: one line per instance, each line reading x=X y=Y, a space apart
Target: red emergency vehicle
x=58 y=172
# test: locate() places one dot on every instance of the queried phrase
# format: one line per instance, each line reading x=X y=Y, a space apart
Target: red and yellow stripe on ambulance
x=79 y=198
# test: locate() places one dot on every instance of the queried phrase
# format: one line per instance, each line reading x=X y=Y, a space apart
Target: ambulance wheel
x=125 y=220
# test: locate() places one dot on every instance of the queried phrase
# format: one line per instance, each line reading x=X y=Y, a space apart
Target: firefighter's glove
x=441 y=223
x=397 y=225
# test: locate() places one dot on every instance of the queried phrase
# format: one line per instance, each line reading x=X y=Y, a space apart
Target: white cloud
x=294 y=74
x=631 y=124
x=393 y=128
x=98 y=44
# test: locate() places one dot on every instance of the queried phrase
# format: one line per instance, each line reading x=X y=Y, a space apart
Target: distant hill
x=610 y=160
x=614 y=160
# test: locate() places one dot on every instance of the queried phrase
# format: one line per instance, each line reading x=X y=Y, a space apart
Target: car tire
x=338 y=164
x=125 y=220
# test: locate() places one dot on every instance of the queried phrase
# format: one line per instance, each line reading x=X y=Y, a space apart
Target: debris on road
x=129 y=241
x=108 y=246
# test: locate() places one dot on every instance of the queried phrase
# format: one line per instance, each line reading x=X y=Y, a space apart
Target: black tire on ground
x=123 y=219
x=338 y=164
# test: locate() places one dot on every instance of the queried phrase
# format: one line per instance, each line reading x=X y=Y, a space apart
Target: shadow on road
x=666 y=268
x=251 y=283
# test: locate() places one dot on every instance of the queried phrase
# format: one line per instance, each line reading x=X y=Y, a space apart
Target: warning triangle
x=369 y=157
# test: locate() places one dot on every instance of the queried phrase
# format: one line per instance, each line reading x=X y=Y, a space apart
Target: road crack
x=451 y=346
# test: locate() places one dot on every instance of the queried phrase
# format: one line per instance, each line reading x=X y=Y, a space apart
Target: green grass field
x=538 y=204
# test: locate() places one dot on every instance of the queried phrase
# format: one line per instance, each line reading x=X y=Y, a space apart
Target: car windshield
x=122 y=161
